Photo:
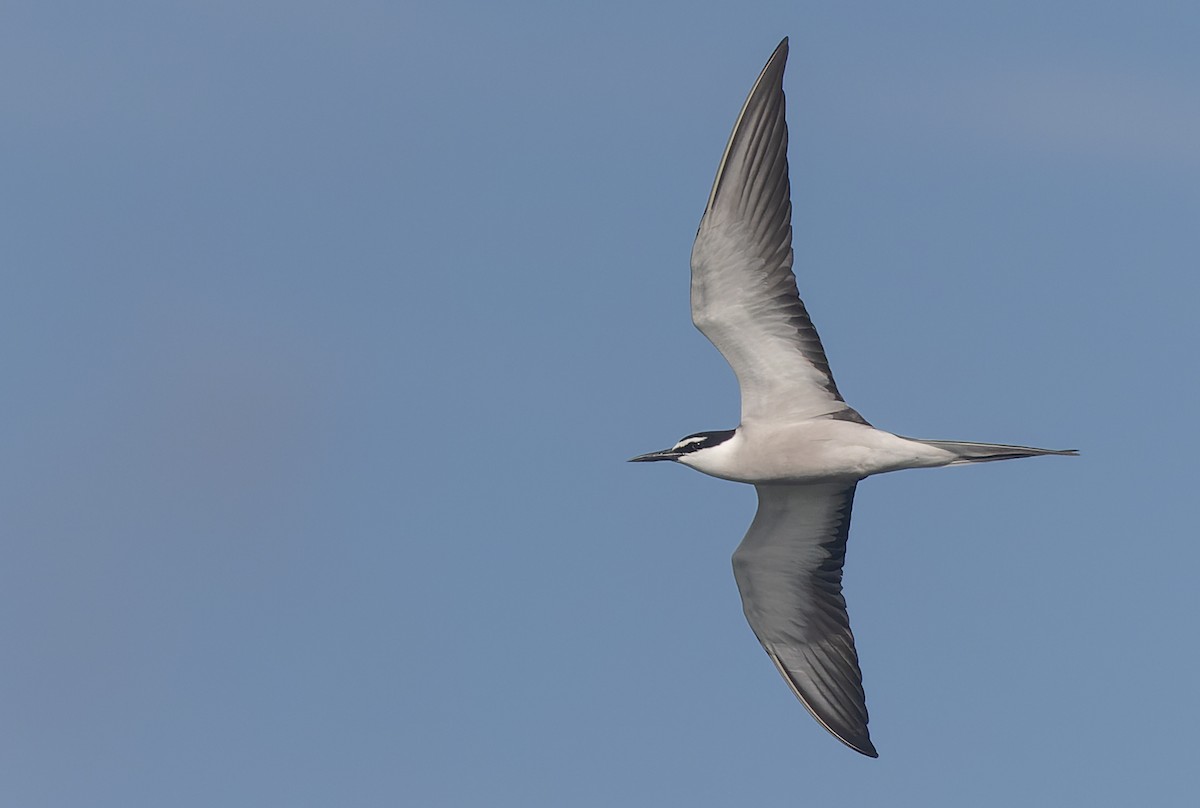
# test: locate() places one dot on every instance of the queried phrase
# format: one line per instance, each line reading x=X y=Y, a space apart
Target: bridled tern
x=801 y=446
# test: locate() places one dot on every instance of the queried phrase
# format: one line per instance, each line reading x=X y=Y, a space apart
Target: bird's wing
x=744 y=296
x=789 y=572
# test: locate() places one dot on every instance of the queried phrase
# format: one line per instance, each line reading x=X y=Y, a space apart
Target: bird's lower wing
x=789 y=573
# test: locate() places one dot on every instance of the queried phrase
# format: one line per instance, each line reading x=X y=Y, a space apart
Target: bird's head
x=688 y=449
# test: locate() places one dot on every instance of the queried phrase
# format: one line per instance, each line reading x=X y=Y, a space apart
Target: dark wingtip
x=769 y=81
x=861 y=744
x=855 y=737
x=780 y=53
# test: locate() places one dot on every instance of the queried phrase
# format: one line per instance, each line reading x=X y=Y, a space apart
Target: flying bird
x=801 y=446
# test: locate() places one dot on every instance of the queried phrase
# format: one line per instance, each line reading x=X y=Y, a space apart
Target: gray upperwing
x=789 y=572
x=744 y=296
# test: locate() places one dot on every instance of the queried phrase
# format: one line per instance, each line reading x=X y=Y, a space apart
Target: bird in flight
x=801 y=446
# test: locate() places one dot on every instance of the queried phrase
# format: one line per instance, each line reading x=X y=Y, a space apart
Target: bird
x=798 y=443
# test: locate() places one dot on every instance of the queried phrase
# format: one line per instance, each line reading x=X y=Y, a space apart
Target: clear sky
x=327 y=327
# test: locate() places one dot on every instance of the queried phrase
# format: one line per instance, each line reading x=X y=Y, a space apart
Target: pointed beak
x=665 y=454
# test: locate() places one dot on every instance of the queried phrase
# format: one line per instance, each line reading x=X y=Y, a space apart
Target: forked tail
x=985 y=452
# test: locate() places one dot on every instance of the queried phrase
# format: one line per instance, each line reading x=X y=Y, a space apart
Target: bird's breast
x=815 y=450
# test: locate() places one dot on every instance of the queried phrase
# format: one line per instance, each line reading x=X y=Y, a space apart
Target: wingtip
x=858 y=739
x=774 y=66
x=859 y=742
x=780 y=53
x=862 y=744
x=771 y=77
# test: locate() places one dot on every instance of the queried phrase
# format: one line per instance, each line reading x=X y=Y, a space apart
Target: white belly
x=812 y=451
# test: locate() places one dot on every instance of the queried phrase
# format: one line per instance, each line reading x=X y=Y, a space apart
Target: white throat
x=717 y=461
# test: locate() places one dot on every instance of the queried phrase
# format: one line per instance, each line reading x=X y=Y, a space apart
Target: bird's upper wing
x=744 y=296
x=789 y=572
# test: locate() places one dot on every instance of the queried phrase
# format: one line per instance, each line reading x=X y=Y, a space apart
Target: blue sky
x=327 y=327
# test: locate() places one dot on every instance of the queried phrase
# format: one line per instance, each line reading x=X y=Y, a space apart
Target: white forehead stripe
x=689 y=442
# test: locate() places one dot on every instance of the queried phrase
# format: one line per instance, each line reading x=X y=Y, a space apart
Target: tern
x=799 y=443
